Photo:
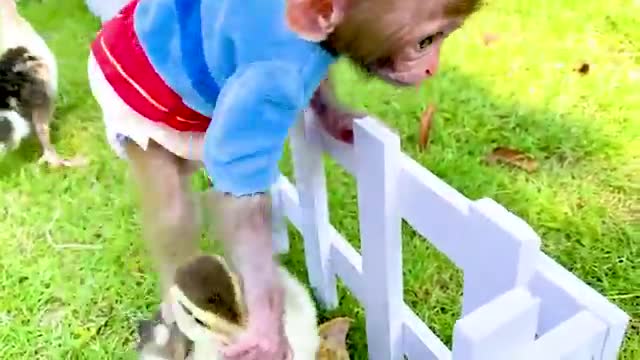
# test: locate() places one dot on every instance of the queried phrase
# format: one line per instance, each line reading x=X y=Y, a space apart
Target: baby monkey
x=209 y=308
x=185 y=84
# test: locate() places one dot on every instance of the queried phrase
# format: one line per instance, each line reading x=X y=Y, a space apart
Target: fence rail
x=518 y=303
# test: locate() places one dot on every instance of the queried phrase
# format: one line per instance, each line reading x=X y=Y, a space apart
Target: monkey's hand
x=339 y=123
x=262 y=340
x=265 y=337
x=334 y=118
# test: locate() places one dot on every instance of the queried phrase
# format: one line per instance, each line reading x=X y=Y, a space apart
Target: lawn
x=74 y=275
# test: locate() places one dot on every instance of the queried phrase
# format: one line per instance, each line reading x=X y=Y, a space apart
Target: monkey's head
x=207 y=296
x=398 y=41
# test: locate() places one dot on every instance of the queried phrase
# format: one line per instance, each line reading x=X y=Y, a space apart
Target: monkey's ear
x=314 y=20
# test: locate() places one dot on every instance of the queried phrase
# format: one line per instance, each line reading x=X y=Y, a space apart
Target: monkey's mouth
x=389 y=77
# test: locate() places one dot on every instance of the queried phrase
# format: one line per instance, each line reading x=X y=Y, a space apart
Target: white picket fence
x=518 y=303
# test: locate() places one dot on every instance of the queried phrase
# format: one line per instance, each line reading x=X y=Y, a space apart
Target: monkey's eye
x=425 y=42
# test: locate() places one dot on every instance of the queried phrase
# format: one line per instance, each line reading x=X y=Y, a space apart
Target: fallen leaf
x=425 y=126
x=490 y=38
x=333 y=339
x=583 y=69
x=512 y=157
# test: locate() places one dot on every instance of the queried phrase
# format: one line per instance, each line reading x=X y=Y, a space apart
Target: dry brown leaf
x=333 y=339
x=583 y=69
x=490 y=38
x=512 y=157
x=426 y=121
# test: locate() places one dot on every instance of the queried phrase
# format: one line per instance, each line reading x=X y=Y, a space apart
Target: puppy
x=28 y=86
x=209 y=308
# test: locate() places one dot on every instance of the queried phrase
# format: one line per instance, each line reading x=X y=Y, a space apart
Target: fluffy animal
x=186 y=84
x=161 y=341
x=28 y=86
x=105 y=9
x=209 y=308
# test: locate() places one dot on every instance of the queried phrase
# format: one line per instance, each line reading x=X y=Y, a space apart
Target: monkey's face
x=397 y=41
x=417 y=55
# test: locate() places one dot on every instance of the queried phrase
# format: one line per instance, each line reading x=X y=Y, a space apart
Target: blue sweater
x=237 y=61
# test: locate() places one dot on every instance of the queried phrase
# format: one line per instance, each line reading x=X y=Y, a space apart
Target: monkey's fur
x=397 y=41
x=28 y=85
x=377 y=36
x=209 y=308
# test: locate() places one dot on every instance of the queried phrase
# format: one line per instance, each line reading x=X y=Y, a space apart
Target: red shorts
x=126 y=67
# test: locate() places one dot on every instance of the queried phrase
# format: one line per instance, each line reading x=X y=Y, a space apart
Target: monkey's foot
x=54 y=160
x=255 y=345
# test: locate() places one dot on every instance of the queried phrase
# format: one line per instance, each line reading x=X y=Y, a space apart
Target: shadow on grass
x=565 y=201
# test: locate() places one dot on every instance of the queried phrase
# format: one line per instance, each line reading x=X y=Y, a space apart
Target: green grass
x=77 y=302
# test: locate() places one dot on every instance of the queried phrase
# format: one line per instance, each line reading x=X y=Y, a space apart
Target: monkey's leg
x=245 y=223
x=170 y=219
x=41 y=116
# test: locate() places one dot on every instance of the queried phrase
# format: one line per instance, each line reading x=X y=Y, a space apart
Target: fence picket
x=501 y=253
x=312 y=193
x=377 y=155
x=518 y=303
x=498 y=330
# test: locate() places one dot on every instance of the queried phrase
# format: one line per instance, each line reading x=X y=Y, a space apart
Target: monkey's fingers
x=234 y=353
x=252 y=346
x=339 y=125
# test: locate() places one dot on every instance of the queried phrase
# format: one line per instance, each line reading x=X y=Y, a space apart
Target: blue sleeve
x=251 y=121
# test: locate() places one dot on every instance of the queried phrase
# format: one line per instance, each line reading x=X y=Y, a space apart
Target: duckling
x=209 y=309
x=28 y=86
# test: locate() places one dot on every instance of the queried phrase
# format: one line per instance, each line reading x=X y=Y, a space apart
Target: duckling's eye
x=199 y=322
x=190 y=313
x=426 y=41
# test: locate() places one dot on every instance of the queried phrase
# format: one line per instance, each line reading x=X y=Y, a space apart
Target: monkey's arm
x=335 y=118
x=243 y=145
x=254 y=112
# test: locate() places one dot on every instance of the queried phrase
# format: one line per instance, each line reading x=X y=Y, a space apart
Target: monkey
x=389 y=55
x=209 y=307
x=217 y=84
x=28 y=86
